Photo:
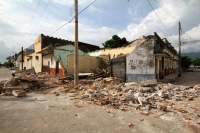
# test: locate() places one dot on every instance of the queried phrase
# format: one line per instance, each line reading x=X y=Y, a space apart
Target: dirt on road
x=44 y=111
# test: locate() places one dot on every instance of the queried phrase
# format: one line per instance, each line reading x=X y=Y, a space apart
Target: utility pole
x=76 y=44
x=179 y=41
x=22 y=57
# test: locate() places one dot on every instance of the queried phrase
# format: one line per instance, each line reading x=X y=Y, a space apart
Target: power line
x=167 y=11
x=143 y=15
x=47 y=17
x=49 y=13
x=41 y=15
x=63 y=17
x=160 y=20
x=31 y=20
x=74 y=16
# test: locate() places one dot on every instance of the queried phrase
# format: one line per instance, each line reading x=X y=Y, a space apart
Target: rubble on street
x=116 y=94
x=28 y=80
x=110 y=92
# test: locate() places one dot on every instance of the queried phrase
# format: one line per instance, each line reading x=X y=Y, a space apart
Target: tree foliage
x=186 y=61
x=9 y=64
x=196 y=62
x=115 y=42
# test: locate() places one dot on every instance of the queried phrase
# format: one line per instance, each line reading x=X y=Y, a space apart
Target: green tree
x=9 y=64
x=196 y=62
x=186 y=61
x=115 y=42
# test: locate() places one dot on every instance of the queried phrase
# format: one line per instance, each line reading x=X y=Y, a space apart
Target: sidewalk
x=170 y=78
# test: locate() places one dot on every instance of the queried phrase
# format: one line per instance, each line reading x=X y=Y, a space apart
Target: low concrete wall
x=85 y=64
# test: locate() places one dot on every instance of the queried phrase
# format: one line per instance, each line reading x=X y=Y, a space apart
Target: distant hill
x=192 y=55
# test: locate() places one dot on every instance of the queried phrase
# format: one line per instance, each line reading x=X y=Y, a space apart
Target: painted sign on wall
x=141 y=62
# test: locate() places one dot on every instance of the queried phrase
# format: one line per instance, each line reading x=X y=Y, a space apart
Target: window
x=36 y=57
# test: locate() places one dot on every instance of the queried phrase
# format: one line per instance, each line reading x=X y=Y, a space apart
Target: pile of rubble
x=110 y=92
x=116 y=94
x=100 y=73
x=28 y=80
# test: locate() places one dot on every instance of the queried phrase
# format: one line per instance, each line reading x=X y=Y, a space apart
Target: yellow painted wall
x=38 y=44
x=37 y=63
x=33 y=62
x=86 y=63
x=114 y=52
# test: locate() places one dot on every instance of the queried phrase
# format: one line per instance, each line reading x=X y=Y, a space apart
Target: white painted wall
x=140 y=64
x=137 y=61
x=48 y=58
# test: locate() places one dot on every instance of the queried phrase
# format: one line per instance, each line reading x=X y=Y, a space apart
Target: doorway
x=57 y=68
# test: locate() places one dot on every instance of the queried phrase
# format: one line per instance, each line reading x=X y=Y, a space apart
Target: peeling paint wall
x=140 y=64
x=116 y=52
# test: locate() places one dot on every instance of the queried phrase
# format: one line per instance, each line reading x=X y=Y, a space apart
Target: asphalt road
x=189 y=78
x=5 y=73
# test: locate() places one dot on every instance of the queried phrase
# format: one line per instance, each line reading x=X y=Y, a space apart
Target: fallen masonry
x=28 y=80
x=110 y=92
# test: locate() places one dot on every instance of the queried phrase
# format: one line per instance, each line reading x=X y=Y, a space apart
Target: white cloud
x=185 y=11
x=15 y=17
x=87 y=34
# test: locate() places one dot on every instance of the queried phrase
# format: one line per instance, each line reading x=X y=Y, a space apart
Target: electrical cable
x=167 y=11
x=50 y=13
x=74 y=16
x=62 y=18
x=161 y=21
x=143 y=16
x=47 y=17
x=30 y=21
x=41 y=16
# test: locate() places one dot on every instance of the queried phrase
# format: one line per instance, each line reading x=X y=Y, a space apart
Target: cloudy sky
x=22 y=21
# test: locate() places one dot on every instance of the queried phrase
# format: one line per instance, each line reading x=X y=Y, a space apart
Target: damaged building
x=146 y=58
x=142 y=59
x=49 y=54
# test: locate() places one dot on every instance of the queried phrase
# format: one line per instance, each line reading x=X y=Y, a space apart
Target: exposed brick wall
x=53 y=71
x=61 y=73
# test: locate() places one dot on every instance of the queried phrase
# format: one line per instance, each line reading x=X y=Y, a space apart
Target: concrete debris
x=148 y=83
x=130 y=125
x=18 y=93
x=28 y=80
x=113 y=93
x=110 y=92
x=100 y=73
